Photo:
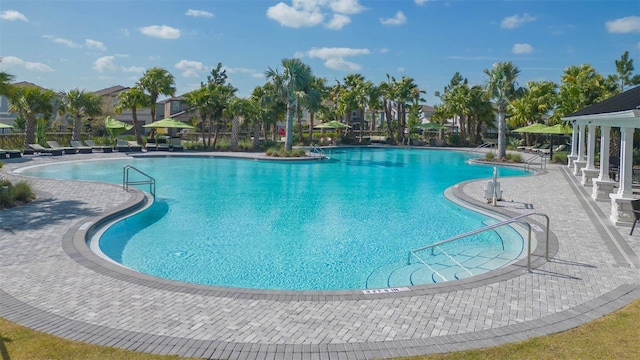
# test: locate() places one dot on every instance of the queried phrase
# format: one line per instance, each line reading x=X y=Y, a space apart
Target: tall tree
x=133 y=99
x=502 y=88
x=315 y=95
x=289 y=83
x=624 y=72
x=5 y=82
x=30 y=102
x=157 y=81
x=80 y=105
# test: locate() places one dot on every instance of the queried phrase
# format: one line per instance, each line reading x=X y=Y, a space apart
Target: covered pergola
x=621 y=111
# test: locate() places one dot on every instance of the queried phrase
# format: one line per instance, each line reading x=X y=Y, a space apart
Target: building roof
x=628 y=100
x=175 y=98
x=114 y=90
x=27 y=84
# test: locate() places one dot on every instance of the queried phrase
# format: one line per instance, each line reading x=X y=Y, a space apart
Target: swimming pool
x=347 y=223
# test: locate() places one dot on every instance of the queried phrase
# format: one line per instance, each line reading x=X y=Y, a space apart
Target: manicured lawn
x=615 y=336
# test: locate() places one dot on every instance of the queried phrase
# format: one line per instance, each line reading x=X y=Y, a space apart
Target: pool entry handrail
x=530 y=161
x=316 y=151
x=149 y=180
x=482 y=146
x=515 y=219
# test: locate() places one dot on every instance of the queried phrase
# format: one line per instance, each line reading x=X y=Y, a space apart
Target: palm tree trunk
x=502 y=135
x=136 y=129
x=288 y=143
x=311 y=118
x=256 y=136
x=235 y=126
x=29 y=131
x=77 y=128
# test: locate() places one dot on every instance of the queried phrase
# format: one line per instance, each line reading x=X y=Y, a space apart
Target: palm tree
x=293 y=79
x=313 y=102
x=374 y=102
x=502 y=87
x=133 y=99
x=5 y=82
x=79 y=104
x=157 y=81
x=29 y=102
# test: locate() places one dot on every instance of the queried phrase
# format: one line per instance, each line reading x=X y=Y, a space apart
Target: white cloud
x=624 y=25
x=161 y=31
x=522 y=49
x=349 y=7
x=342 y=64
x=199 y=13
x=515 y=21
x=33 y=66
x=94 y=44
x=65 y=42
x=105 y=63
x=421 y=2
x=12 y=15
x=338 y=22
x=335 y=57
x=399 y=19
x=242 y=70
x=189 y=68
x=306 y=13
x=292 y=17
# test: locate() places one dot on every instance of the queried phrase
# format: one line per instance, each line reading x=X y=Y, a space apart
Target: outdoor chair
x=39 y=149
x=92 y=144
x=176 y=144
x=10 y=154
x=81 y=149
x=134 y=146
x=162 y=144
x=151 y=144
x=66 y=149
x=635 y=205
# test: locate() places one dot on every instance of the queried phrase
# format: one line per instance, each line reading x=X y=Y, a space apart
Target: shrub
x=11 y=195
x=514 y=158
x=489 y=156
x=454 y=140
x=560 y=157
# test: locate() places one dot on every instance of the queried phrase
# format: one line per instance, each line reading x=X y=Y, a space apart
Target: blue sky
x=92 y=44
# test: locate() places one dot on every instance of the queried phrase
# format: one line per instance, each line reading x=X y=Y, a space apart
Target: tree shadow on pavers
x=4 y=353
x=42 y=213
x=554 y=274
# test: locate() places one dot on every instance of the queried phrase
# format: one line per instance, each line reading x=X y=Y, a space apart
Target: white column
x=581 y=160
x=603 y=186
x=605 y=132
x=591 y=147
x=574 y=145
x=621 y=211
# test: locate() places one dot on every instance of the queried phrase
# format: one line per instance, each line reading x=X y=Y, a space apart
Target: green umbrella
x=169 y=123
x=332 y=125
x=116 y=127
x=533 y=128
x=431 y=126
x=5 y=126
x=557 y=129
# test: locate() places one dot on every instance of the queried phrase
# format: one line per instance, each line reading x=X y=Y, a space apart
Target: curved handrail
x=491 y=227
x=317 y=150
x=125 y=180
x=483 y=145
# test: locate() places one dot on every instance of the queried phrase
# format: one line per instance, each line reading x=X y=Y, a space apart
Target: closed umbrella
x=116 y=127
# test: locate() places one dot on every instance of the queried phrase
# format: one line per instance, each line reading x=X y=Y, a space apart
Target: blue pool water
x=346 y=223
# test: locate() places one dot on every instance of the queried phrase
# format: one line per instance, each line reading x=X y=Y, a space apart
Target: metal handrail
x=125 y=180
x=543 y=161
x=317 y=150
x=487 y=228
x=481 y=146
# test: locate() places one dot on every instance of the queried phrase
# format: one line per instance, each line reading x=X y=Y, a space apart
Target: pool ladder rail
x=316 y=151
x=515 y=219
x=148 y=180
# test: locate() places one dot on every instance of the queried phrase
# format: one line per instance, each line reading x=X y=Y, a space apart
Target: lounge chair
x=39 y=149
x=176 y=144
x=151 y=145
x=531 y=148
x=635 y=206
x=66 y=149
x=162 y=144
x=10 y=154
x=127 y=146
x=92 y=144
x=81 y=149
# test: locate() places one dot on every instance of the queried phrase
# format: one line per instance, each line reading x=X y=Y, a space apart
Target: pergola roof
x=622 y=110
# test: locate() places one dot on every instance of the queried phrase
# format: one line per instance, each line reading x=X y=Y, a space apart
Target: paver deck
x=50 y=282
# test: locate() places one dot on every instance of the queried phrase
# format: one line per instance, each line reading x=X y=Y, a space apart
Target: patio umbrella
x=431 y=126
x=533 y=128
x=169 y=123
x=332 y=125
x=5 y=126
x=116 y=127
x=558 y=129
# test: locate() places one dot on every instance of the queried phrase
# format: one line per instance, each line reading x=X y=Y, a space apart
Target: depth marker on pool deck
x=385 y=291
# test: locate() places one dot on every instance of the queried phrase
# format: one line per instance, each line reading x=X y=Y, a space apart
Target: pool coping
x=75 y=244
